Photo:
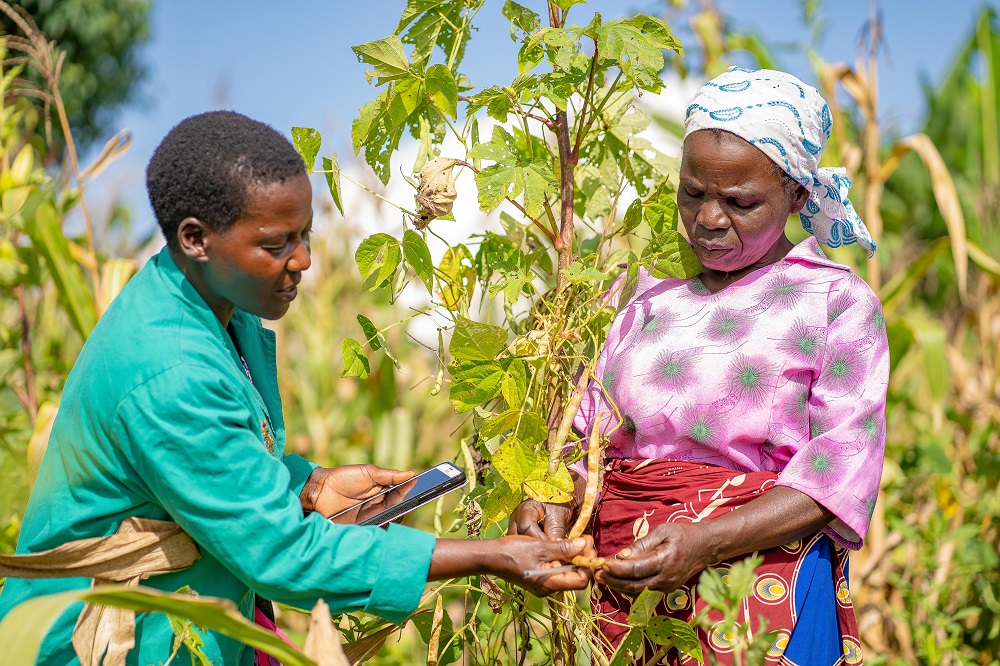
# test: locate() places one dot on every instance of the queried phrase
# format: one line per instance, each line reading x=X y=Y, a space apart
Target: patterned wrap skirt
x=801 y=588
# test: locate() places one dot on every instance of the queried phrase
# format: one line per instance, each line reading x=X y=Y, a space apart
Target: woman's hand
x=544 y=520
x=541 y=520
x=508 y=557
x=664 y=559
x=330 y=490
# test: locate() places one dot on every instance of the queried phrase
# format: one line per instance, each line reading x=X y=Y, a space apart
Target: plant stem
x=30 y=398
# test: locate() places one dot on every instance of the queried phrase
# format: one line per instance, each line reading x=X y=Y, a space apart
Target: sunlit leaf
x=419 y=257
x=644 y=607
x=670 y=631
x=475 y=341
x=441 y=87
x=473 y=384
x=307 y=142
x=355 y=361
x=386 y=56
x=668 y=255
x=521 y=19
x=332 y=169
x=629 y=650
x=377 y=258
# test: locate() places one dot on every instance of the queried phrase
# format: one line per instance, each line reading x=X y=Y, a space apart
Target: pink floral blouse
x=784 y=370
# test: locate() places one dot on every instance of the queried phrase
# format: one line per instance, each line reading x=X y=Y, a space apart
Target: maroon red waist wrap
x=801 y=590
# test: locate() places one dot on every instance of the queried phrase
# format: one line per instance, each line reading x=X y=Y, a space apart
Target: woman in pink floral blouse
x=758 y=385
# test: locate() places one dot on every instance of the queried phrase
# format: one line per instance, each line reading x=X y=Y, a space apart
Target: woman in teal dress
x=172 y=412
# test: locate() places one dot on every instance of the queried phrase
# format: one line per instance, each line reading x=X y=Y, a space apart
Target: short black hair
x=206 y=165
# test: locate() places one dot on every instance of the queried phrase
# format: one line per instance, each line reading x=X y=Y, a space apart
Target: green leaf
x=307 y=142
x=660 y=211
x=515 y=461
x=367 y=121
x=669 y=256
x=499 y=423
x=386 y=56
x=528 y=427
x=419 y=257
x=23 y=629
x=332 y=169
x=497 y=101
x=473 y=384
x=441 y=87
x=521 y=19
x=515 y=383
x=644 y=607
x=576 y=273
x=377 y=258
x=375 y=339
x=511 y=175
x=669 y=631
x=501 y=502
x=633 y=216
x=459 y=277
x=48 y=240
x=355 y=361
x=629 y=650
x=636 y=46
x=545 y=487
x=435 y=23
x=475 y=341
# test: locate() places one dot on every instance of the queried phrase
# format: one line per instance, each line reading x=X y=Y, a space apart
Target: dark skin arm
x=672 y=553
x=330 y=490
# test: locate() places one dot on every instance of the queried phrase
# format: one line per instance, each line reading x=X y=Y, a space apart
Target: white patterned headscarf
x=790 y=122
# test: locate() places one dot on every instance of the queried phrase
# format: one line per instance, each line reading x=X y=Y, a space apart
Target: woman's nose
x=301 y=258
x=711 y=215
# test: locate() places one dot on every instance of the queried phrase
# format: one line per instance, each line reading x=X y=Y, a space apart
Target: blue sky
x=294 y=66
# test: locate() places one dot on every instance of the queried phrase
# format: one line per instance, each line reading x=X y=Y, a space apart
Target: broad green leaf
x=441 y=87
x=501 y=502
x=629 y=650
x=386 y=56
x=545 y=487
x=660 y=211
x=636 y=46
x=355 y=361
x=521 y=19
x=23 y=629
x=434 y=23
x=516 y=461
x=377 y=258
x=576 y=273
x=511 y=174
x=419 y=257
x=473 y=384
x=475 y=341
x=633 y=216
x=332 y=169
x=459 y=277
x=669 y=256
x=528 y=427
x=513 y=230
x=307 y=142
x=644 y=607
x=515 y=383
x=669 y=631
x=48 y=240
x=368 y=119
x=498 y=103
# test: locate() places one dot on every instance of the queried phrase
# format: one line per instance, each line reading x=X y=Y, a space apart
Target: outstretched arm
x=672 y=553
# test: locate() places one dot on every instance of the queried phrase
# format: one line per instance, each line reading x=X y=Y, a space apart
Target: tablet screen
x=419 y=485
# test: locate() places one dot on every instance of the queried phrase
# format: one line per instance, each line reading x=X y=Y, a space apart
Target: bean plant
x=582 y=197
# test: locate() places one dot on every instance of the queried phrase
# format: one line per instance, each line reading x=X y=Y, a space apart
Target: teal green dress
x=159 y=420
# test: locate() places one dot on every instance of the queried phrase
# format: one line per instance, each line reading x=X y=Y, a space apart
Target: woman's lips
x=288 y=294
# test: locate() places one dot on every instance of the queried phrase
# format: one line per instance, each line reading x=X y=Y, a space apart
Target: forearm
x=780 y=515
x=455 y=558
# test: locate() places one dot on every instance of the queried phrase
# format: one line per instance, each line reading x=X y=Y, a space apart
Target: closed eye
x=743 y=204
